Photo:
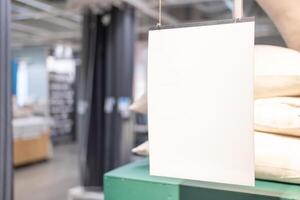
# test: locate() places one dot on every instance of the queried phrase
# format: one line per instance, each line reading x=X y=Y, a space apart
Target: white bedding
x=277 y=157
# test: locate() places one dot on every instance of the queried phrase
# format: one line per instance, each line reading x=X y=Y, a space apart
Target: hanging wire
x=159 y=13
x=237 y=10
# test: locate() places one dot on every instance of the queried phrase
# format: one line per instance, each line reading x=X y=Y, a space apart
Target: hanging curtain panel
x=105 y=91
x=119 y=75
x=6 y=185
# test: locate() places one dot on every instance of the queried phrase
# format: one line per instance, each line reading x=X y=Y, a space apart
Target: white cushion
x=277 y=71
x=279 y=115
x=277 y=157
x=140 y=105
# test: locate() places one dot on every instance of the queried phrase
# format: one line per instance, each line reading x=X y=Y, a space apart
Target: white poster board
x=200 y=102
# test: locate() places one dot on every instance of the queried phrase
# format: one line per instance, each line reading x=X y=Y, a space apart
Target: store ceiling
x=48 y=22
x=37 y=22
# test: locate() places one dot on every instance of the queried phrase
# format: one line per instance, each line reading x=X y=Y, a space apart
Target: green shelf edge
x=134 y=177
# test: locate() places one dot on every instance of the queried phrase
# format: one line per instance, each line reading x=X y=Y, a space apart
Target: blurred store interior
x=76 y=68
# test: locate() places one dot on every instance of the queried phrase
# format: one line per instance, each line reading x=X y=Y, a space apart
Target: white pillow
x=279 y=115
x=140 y=105
x=277 y=71
x=142 y=150
x=277 y=158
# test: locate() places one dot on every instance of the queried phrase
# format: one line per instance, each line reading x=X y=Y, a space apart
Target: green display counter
x=133 y=182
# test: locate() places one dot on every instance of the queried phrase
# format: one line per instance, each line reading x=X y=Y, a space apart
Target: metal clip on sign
x=237 y=12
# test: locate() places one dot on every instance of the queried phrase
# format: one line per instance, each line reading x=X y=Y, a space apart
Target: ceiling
x=36 y=22
x=48 y=22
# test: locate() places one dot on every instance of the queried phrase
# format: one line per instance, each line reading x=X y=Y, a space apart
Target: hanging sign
x=200 y=102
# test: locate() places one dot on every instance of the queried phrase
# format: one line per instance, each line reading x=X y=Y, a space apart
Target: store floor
x=49 y=180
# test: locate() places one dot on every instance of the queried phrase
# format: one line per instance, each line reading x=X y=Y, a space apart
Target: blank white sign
x=200 y=103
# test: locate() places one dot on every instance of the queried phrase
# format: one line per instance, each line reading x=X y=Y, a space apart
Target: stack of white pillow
x=277 y=114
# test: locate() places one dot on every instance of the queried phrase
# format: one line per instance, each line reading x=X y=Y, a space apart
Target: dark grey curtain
x=119 y=75
x=6 y=185
x=91 y=100
x=105 y=82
